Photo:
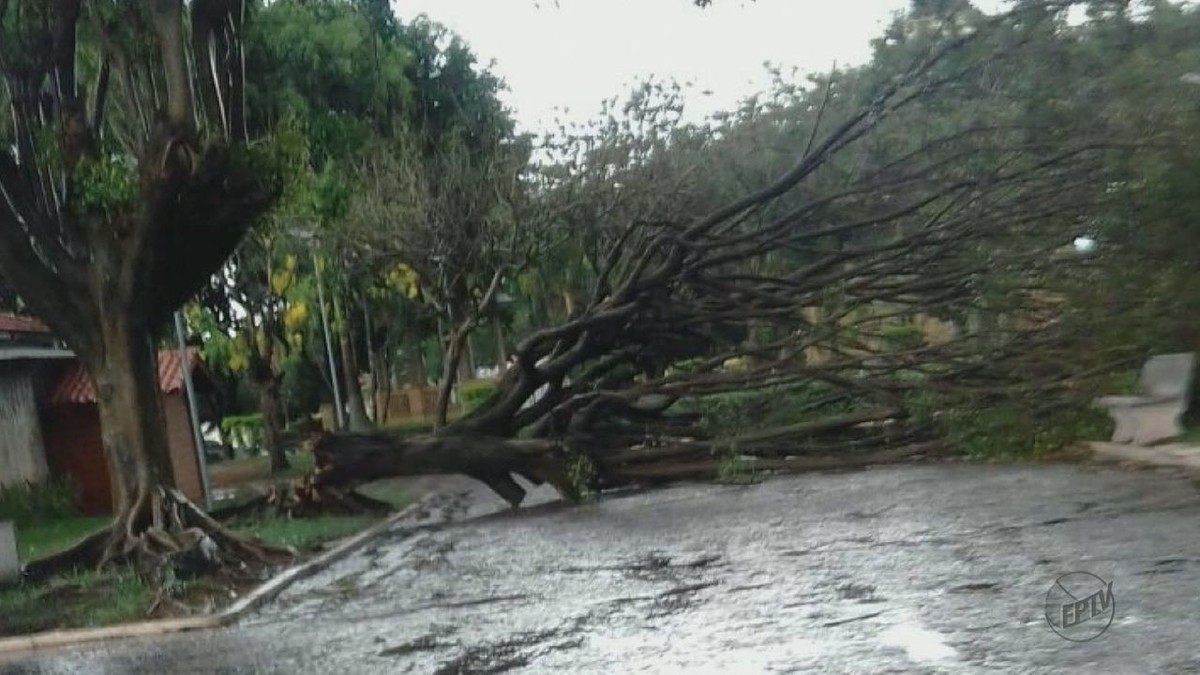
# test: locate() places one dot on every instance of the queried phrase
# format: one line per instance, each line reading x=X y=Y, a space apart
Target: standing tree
x=127 y=179
x=443 y=197
x=338 y=70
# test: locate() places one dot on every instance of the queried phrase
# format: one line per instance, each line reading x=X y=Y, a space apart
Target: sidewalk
x=1171 y=454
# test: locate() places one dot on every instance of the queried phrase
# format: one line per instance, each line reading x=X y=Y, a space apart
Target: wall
x=183 y=448
x=21 y=455
x=74 y=448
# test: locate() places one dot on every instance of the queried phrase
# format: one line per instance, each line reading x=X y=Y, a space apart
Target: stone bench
x=1153 y=414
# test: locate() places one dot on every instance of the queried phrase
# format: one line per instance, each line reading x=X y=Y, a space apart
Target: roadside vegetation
x=47 y=523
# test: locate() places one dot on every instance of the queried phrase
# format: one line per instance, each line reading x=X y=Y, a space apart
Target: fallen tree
x=923 y=191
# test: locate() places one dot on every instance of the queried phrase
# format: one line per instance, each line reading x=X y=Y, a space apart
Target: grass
x=77 y=601
x=305 y=534
x=409 y=427
x=418 y=425
x=88 y=599
x=249 y=469
x=117 y=596
x=1191 y=436
x=43 y=538
x=734 y=470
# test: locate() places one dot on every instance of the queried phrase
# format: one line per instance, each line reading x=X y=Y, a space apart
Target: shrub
x=582 y=474
x=734 y=412
x=246 y=429
x=27 y=503
x=1006 y=428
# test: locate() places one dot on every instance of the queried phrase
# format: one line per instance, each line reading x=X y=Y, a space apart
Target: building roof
x=8 y=353
x=15 y=323
x=76 y=387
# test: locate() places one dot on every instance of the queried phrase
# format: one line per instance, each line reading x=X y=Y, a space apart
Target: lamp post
x=310 y=236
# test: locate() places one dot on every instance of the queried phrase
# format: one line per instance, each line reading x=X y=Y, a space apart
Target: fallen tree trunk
x=797 y=284
x=345 y=460
x=588 y=463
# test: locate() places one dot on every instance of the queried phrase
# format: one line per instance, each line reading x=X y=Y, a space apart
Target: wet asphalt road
x=918 y=569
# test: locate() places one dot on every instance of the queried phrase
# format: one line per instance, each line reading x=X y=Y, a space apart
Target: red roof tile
x=76 y=387
x=14 y=323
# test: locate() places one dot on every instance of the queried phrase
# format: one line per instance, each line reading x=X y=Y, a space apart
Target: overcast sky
x=575 y=53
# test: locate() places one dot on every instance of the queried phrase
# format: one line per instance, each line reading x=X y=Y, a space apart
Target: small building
x=72 y=439
x=50 y=423
x=30 y=359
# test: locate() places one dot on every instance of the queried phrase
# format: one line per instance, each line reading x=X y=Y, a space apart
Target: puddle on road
x=921 y=644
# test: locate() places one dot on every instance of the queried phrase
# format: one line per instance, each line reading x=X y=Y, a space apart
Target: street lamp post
x=309 y=235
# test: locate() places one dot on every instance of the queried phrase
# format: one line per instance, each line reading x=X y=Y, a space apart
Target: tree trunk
x=375 y=360
x=454 y=354
x=472 y=364
x=272 y=420
x=152 y=520
x=132 y=425
x=501 y=347
x=345 y=460
x=357 y=412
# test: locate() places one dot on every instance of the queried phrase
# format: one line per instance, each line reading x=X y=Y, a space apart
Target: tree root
x=170 y=535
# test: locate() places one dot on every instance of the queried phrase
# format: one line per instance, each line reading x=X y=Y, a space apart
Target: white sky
x=575 y=53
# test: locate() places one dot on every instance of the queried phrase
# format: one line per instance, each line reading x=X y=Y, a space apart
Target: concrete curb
x=1171 y=455
x=255 y=599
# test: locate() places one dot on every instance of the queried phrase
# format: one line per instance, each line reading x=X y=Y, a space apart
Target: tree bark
x=472 y=366
x=501 y=347
x=345 y=460
x=454 y=354
x=265 y=378
x=153 y=519
x=271 y=405
x=168 y=23
x=376 y=360
x=132 y=425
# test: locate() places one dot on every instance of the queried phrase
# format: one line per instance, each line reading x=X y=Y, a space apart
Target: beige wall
x=22 y=455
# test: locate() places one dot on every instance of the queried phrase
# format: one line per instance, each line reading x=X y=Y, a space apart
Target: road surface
x=914 y=569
